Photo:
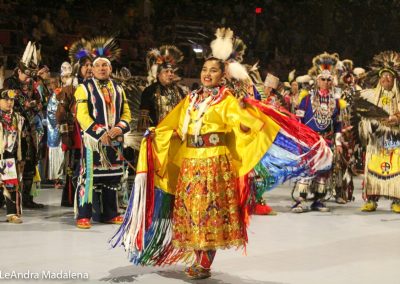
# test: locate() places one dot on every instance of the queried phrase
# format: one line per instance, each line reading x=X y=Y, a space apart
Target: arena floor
x=342 y=246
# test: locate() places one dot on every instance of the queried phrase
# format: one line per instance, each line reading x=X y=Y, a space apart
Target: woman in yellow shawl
x=189 y=196
x=206 y=213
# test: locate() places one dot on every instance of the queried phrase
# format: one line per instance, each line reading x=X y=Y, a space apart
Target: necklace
x=201 y=100
x=204 y=94
x=323 y=106
x=166 y=99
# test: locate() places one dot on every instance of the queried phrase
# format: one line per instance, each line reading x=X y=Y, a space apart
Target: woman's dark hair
x=82 y=62
x=220 y=62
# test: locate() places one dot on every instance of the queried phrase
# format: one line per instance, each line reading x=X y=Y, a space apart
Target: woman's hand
x=244 y=128
x=152 y=134
x=175 y=135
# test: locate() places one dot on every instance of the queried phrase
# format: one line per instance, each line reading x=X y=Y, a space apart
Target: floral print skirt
x=206 y=210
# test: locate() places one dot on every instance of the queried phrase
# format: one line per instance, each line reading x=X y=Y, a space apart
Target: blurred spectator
x=48 y=27
x=289 y=32
x=147 y=9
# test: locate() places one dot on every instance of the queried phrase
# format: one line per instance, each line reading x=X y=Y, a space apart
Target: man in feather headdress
x=28 y=104
x=103 y=115
x=382 y=161
x=319 y=109
x=159 y=98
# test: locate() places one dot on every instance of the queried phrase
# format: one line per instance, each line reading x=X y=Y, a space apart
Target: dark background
x=285 y=35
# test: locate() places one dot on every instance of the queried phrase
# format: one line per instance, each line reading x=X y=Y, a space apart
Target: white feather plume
x=254 y=67
x=303 y=79
x=35 y=56
x=339 y=66
x=69 y=81
x=30 y=54
x=292 y=75
x=27 y=52
x=152 y=74
x=237 y=71
x=222 y=46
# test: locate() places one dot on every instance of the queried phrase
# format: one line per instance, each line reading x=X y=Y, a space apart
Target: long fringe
x=297 y=151
x=134 y=240
x=119 y=236
x=158 y=248
x=153 y=246
x=87 y=182
x=146 y=232
x=376 y=186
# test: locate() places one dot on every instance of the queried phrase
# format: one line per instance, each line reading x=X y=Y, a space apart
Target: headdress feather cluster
x=30 y=59
x=385 y=61
x=79 y=50
x=230 y=50
x=324 y=63
x=166 y=55
x=292 y=76
x=105 y=47
x=222 y=46
x=344 y=68
x=239 y=49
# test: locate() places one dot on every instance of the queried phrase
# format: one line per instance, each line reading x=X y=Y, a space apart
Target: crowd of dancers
x=190 y=166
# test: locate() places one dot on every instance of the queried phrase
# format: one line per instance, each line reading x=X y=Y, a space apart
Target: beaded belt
x=207 y=140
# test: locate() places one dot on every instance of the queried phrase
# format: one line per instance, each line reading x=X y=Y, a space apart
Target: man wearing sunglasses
x=319 y=110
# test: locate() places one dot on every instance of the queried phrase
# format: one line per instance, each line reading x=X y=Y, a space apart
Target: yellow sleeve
x=126 y=112
x=234 y=115
x=182 y=114
x=126 y=116
x=82 y=111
